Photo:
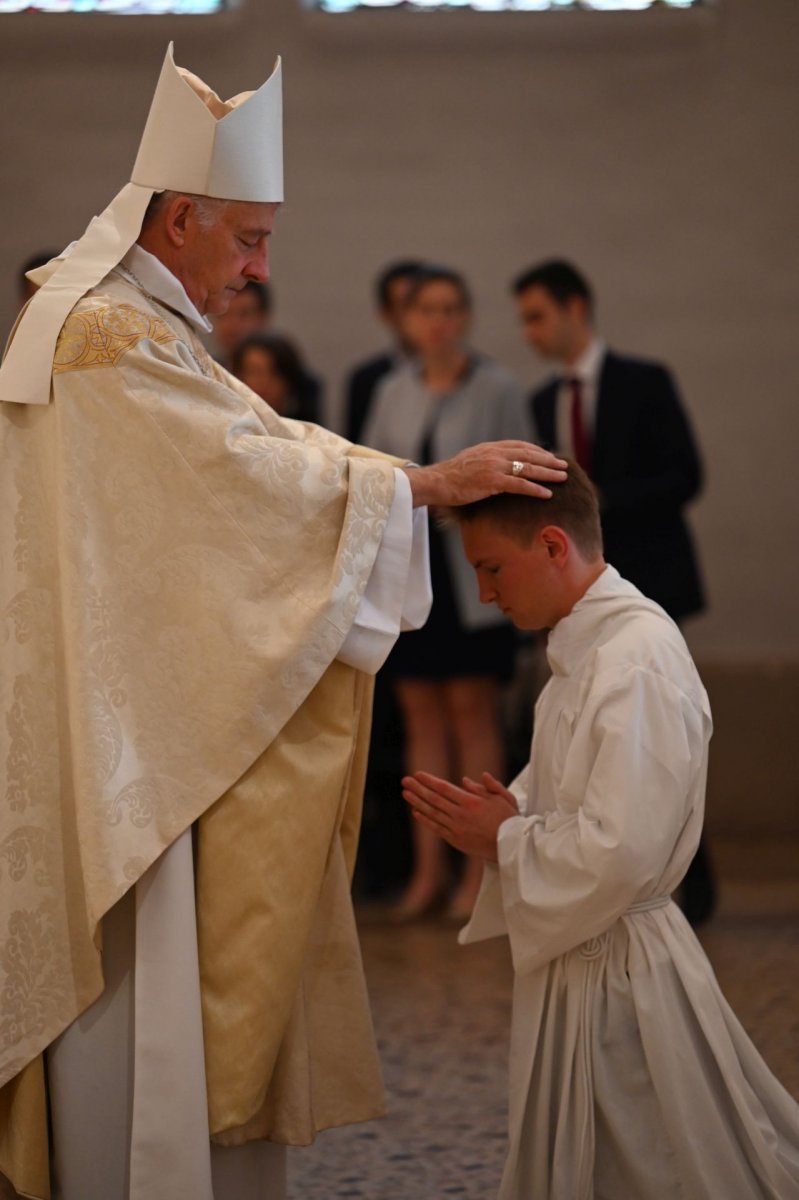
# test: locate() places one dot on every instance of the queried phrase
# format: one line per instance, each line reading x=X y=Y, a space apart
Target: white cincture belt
x=647 y=905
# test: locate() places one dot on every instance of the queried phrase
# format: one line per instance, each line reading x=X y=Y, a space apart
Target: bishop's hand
x=485 y=470
x=467 y=817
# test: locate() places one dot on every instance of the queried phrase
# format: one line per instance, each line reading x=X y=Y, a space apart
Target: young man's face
x=520 y=580
x=217 y=262
x=555 y=330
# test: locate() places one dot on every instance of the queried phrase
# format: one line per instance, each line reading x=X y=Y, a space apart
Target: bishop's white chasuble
x=185 y=599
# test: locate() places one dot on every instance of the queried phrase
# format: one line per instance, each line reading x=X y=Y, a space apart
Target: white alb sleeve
x=399 y=592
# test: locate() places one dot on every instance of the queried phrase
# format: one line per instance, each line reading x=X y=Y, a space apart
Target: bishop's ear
x=176 y=219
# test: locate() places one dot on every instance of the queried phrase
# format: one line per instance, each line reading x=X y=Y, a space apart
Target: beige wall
x=658 y=150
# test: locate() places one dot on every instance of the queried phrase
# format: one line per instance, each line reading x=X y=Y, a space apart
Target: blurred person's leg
x=384 y=850
x=473 y=705
x=427 y=748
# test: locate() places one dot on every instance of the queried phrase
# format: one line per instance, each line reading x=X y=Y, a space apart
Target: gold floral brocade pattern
x=99 y=337
x=151 y=512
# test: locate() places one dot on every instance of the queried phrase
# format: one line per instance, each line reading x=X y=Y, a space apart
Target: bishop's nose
x=258 y=266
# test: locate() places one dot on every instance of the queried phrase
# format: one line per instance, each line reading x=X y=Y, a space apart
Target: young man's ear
x=555 y=541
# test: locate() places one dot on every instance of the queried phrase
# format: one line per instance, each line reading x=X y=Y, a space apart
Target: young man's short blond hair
x=573 y=508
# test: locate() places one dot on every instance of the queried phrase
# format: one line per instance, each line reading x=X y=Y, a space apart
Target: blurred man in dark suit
x=391 y=290
x=621 y=418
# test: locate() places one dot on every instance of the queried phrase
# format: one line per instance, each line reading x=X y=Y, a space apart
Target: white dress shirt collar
x=158 y=281
x=589 y=364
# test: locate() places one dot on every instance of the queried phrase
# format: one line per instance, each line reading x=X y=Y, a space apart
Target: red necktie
x=581 y=443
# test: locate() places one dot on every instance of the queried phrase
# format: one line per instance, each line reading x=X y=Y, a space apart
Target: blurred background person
x=272 y=366
x=26 y=287
x=391 y=293
x=252 y=312
x=622 y=419
x=447 y=676
x=384 y=849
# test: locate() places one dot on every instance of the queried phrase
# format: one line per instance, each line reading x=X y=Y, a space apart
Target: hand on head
x=484 y=470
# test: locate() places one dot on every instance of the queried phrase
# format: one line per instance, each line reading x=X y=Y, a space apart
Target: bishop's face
x=519 y=579
x=216 y=262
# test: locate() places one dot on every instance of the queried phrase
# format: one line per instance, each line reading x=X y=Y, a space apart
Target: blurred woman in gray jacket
x=447 y=676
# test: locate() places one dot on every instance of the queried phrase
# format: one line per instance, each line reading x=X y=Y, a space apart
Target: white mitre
x=192 y=142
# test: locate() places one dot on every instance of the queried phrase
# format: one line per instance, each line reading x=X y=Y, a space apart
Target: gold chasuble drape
x=179 y=568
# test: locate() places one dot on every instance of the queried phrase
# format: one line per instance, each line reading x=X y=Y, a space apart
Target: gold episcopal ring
x=516 y=467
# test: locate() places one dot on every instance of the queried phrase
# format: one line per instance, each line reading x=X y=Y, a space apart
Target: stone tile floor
x=442 y=1015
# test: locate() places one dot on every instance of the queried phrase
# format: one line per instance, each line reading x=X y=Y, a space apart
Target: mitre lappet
x=193 y=142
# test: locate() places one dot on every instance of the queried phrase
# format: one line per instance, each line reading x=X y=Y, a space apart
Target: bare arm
x=484 y=470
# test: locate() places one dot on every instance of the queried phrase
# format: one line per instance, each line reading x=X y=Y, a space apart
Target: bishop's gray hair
x=208 y=208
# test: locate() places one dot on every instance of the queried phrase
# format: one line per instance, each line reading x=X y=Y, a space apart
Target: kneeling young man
x=630 y=1076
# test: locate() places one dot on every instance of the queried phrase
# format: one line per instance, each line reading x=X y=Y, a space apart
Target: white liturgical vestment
x=630 y=1076
x=306 y=559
